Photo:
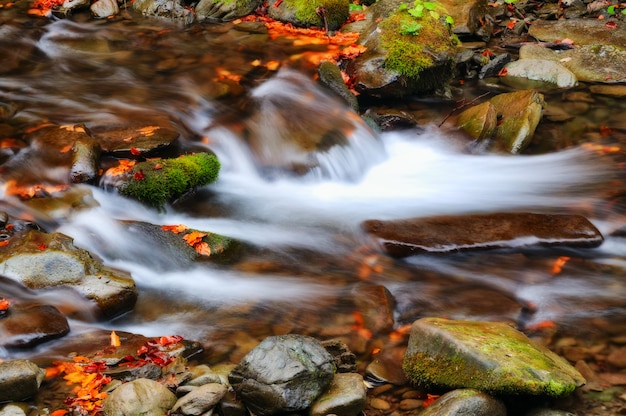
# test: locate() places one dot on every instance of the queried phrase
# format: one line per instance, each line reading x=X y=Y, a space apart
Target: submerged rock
x=486 y=356
x=466 y=402
x=442 y=234
x=30 y=324
x=283 y=374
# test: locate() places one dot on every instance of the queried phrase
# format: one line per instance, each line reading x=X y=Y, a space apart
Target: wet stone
x=345 y=396
x=139 y=397
x=30 y=324
x=465 y=402
x=443 y=234
x=19 y=380
x=282 y=374
x=487 y=356
x=201 y=399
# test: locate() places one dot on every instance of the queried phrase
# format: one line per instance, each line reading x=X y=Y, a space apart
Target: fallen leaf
x=4 y=243
x=115 y=340
x=175 y=228
x=194 y=237
x=135 y=151
x=203 y=249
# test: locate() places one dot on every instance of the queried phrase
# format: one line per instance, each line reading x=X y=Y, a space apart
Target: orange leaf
x=175 y=228
x=194 y=238
x=4 y=304
x=59 y=412
x=115 y=340
x=203 y=248
x=4 y=243
x=135 y=151
x=430 y=398
x=66 y=149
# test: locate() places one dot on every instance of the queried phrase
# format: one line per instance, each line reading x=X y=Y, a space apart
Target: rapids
x=305 y=227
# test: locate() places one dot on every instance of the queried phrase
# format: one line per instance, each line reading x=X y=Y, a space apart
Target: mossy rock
x=329 y=14
x=405 y=54
x=155 y=182
x=225 y=10
x=486 y=356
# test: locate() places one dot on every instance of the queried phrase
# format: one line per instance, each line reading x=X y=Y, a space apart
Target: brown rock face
x=443 y=234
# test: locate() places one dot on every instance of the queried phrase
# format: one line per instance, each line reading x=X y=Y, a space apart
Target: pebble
x=379 y=404
x=411 y=404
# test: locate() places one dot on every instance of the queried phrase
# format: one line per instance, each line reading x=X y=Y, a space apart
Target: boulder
x=201 y=399
x=543 y=70
x=19 y=380
x=479 y=121
x=443 y=234
x=581 y=31
x=167 y=9
x=283 y=374
x=486 y=356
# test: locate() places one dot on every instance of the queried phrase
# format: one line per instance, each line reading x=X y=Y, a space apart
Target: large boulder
x=283 y=374
x=411 y=49
x=486 y=356
x=441 y=234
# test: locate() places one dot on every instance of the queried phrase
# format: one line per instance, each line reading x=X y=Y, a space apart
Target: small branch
x=462 y=105
x=321 y=12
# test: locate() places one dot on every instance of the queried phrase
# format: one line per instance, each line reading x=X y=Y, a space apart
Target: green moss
x=414 y=44
x=155 y=182
x=305 y=11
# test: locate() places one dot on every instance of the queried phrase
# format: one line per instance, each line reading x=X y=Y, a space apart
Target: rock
x=465 y=402
x=139 y=397
x=145 y=137
x=618 y=91
x=345 y=396
x=283 y=374
x=519 y=113
x=201 y=399
x=30 y=324
x=43 y=261
x=168 y=9
x=328 y=14
x=345 y=360
x=12 y=410
x=479 y=121
x=494 y=66
x=157 y=181
x=443 y=234
x=580 y=31
x=541 y=70
x=588 y=63
x=376 y=305
x=86 y=155
x=472 y=18
x=487 y=356
x=548 y=412
x=330 y=76
x=104 y=8
x=405 y=54
x=19 y=380
x=226 y=10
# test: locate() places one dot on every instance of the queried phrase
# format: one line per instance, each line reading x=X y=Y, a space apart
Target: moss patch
x=155 y=182
x=414 y=44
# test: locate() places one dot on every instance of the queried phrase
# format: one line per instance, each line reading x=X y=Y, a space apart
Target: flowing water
x=311 y=261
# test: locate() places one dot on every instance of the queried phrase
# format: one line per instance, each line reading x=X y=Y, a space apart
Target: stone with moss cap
x=487 y=356
x=329 y=14
x=410 y=50
x=155 y=182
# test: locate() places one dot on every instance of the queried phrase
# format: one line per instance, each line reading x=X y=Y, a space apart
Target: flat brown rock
x=444 y=234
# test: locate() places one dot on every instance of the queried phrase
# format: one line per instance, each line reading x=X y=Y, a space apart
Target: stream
x=312 y=266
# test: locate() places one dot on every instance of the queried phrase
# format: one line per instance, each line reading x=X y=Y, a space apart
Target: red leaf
x=503 y=72
x=135 y=151
x=139 y=176
x=611 y=25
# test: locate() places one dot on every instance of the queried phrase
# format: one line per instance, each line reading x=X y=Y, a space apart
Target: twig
x=321 y=12
x=463 y=105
